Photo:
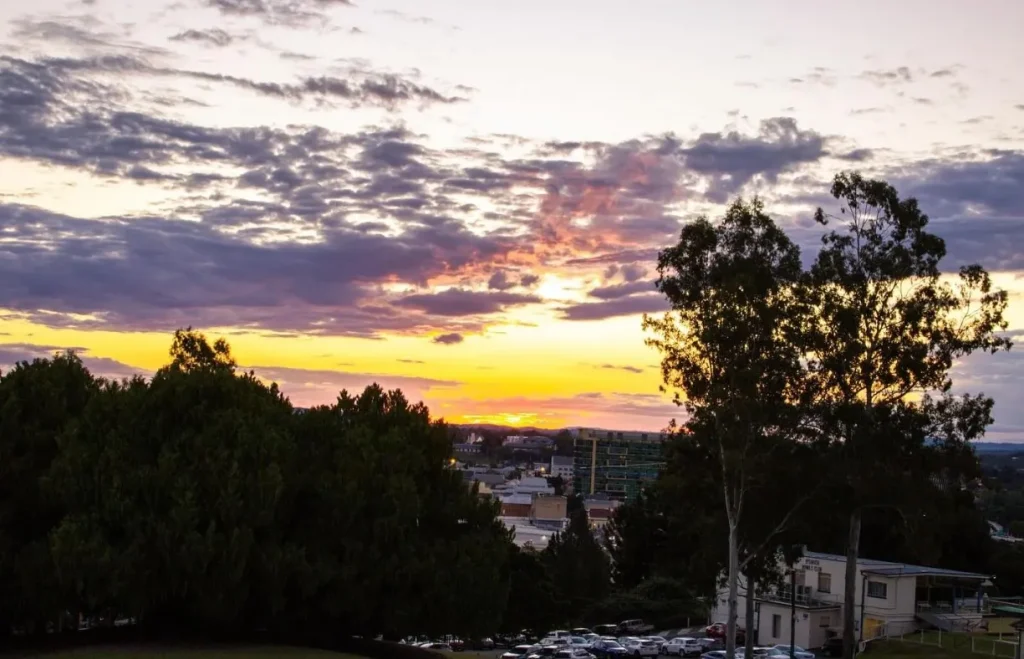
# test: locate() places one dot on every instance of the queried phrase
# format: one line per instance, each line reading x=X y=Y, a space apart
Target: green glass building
x=616 y=463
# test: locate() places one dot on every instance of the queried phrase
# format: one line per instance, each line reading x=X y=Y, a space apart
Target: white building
x=525 y=485
x=561 y=466
x=527 y=533
x=891 y=598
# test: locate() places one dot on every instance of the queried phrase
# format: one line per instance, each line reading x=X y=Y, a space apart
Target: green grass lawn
x=952 y=646
x=229 y=652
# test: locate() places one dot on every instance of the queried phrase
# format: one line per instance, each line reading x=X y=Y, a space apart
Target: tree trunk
x=850 y=594
x=748 y=636
x=734 y=564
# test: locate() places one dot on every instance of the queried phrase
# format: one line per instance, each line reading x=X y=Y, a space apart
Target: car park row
x=582 y=643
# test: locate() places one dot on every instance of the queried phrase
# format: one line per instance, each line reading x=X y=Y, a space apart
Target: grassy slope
x=266 y=652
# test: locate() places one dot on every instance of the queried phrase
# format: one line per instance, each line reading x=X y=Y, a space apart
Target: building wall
x=549 y=507
x=516 y=509
x=766 y=634
x=615 y=463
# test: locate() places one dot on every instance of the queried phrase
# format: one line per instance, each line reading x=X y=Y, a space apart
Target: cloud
x=628 y=369
x=617 y=291
x=731 y=160
x=462 y=302
x=528 y=280
x=158 y=274
x=448 y=339
x=13 y=353
x=379 y=89
x=291 y=13
x=886 y=77
x=633 y=271
x=412 y=361
x=976 y=204
x=500 y=281
x=626 y=306
x=307 y=387
x=212 y=37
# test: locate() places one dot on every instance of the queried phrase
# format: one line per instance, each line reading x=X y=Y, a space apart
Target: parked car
x=713 y=654
x=643 y=648
x=607 y=649
x=579 y=642
x=683 y=646
x=660 y=640
x=634 y=626
x=548 y=650
x=440 y=647
x=606 y=630
x=558 y=633
x=485 y=644
x=581 y=631
x=519 y=651
x=798 y=652
x=718 y=630
x=833 y=647
x=573 y=653
x=554 y=640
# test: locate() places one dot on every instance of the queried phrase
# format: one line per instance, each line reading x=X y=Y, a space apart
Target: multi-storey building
x=616 y=463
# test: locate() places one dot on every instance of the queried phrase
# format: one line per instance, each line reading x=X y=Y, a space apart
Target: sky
x=465 y=199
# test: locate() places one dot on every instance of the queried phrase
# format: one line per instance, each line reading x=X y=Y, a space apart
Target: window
x=878 y=590
x=824 y=583
x=776 y=625
x=824 y=621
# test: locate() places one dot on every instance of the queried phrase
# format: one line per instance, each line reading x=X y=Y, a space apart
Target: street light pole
x=792 y=613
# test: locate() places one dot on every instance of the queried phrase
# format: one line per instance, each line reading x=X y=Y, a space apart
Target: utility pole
x=792 y=612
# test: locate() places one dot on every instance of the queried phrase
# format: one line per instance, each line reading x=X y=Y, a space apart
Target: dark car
x=608 y=650
x=606 y=630
x=833 y=647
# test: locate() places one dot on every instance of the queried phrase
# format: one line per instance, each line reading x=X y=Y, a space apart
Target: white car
x=798 y=652
x=642 y=648
x=660 y=640
x=576 y=653
x=683 y=646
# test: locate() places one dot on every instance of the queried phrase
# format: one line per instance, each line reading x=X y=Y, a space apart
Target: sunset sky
x=465 y=198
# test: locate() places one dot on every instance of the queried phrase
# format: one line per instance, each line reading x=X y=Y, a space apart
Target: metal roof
x=890 y=569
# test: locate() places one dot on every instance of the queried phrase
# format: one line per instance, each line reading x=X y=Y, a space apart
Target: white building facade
x=891 y=599
x=561 y=466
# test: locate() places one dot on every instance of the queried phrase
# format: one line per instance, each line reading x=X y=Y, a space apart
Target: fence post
x=940 y=637
x=922 y=637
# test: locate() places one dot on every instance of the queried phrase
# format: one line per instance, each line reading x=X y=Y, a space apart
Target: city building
x=599 y=508
x=525 y=485
x=534 y=518
x=616 y=463
x=468 y=448
x=548 y=508
x=516 y=505
x=891 y=599
x=562 y=467
x=528 y=442
x=526 y=534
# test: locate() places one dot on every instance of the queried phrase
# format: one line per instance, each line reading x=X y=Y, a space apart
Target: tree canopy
x=202 y=499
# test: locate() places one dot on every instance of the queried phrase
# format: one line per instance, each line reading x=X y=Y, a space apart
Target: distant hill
x=998 y=448
x=508 y=430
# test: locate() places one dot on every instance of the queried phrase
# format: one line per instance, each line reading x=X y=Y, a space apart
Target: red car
x=718 y=629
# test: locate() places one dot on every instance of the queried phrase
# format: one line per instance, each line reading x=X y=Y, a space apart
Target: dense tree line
x=202 y=498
